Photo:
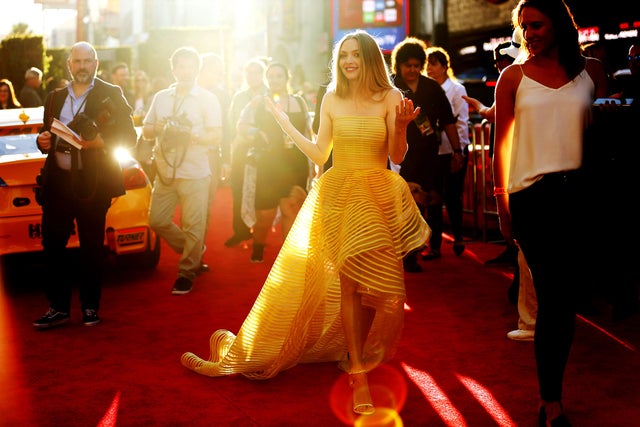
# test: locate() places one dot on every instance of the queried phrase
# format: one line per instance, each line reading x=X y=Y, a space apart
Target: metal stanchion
x=485 y=207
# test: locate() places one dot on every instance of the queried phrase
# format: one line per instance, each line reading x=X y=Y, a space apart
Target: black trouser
x=62 y=205
x=435 y=217
x=549 y=224
x=453 y=192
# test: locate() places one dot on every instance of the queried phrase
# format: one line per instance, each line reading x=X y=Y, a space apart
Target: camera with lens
x=84 y=126
x=88 y=127
x=176 y=133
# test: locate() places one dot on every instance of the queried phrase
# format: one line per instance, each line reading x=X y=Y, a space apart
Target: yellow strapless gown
x=359 y=220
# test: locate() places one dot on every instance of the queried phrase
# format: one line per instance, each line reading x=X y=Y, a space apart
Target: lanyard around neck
x=75 y=113
x=177 y=104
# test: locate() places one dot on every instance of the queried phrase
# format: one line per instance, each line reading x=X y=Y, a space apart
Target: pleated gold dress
x=359 y=220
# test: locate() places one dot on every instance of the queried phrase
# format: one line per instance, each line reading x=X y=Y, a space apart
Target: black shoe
x=182 y=286
x=236 y=240
x=458 y=248
x=257 y=253
x=90 y=317
x=411 y=266
x=432 y=254
x=51 y=318
x=560 y=421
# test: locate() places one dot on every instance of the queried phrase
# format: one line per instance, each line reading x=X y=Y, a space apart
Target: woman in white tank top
x=543 y=106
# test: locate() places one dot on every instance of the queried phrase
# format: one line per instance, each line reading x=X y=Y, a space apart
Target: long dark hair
x=284 y=69
x=12 y=102
x=566 y=31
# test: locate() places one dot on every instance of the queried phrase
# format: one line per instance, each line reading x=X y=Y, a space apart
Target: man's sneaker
x=90 y=317
x=257 y=254
x=182 y=286
x=51 y=318
x=521 y=335
x=458 y=248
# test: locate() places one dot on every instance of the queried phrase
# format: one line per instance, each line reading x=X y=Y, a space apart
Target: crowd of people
x=352 y=226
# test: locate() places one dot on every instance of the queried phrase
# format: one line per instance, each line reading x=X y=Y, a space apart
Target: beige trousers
x=527 y=303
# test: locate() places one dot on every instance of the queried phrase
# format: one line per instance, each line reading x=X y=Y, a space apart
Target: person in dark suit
x=408 y=61
x=78 y=184
x=253 y=86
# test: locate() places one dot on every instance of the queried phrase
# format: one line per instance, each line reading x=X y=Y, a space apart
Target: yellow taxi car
x=127 y=234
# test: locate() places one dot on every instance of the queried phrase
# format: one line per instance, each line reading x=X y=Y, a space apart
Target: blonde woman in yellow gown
x=336 y=289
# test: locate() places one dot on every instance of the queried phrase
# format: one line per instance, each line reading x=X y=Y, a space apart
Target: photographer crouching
x=78 y=184
x=185 y=121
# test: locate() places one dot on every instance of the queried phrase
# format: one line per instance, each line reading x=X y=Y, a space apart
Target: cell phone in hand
x=603 y=101
x=613 y=101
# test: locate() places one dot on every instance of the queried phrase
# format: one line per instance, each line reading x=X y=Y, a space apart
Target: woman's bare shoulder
x=394 y=94
x=330 y=95
x=511 y=75
x=329 y=100
x=393 y=97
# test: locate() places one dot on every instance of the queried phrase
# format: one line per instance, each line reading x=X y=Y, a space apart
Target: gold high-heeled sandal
x=362 y=401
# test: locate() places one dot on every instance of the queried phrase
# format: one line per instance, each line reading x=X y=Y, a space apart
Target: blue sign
x=385 y=20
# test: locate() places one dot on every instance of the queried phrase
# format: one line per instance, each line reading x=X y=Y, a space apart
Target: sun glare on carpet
x=110 y=417
x=436 y=397
x=493 y=408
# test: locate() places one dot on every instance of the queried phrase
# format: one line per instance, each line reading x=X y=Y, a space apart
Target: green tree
x=20 y=28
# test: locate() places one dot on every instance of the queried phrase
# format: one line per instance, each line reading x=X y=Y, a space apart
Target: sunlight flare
x=488 y=402
x=436 y=397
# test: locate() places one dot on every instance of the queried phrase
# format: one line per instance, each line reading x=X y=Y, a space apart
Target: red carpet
x=455 y=366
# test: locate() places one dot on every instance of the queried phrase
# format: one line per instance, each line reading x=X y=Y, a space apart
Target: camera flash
x=276 y=98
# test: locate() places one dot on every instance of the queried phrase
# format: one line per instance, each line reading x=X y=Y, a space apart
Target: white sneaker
x=521 y=335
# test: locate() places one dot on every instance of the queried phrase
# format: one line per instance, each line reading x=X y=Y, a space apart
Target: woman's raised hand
x=405 y=113
x=276 y=110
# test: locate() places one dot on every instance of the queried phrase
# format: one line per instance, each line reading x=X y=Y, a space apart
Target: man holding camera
x=78 y=184
x=186 y=120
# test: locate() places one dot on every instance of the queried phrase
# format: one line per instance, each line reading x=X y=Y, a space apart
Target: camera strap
x=177 y=162
x=176 y=108
x=80 y=107
x=79 y=185
x=75 y=154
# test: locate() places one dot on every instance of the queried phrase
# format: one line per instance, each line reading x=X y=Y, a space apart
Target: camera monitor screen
x=385 y=20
